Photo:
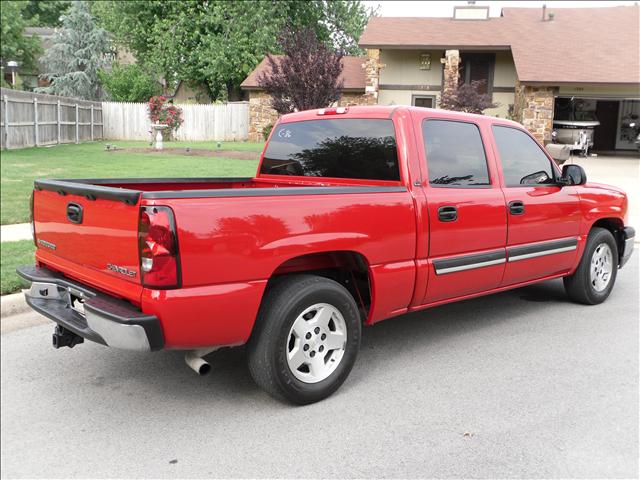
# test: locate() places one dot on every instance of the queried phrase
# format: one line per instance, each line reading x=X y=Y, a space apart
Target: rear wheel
x=595 y=276
x=306 y=339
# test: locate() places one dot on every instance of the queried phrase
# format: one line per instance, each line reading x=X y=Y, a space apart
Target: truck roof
x=386 y=111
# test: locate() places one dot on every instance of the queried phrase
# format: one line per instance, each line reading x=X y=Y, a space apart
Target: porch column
x=372 y=68
x=533 y=108
x=451 y=67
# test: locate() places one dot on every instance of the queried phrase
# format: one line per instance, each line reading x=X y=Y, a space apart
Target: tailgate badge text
x=46 y=244
x=121 y=270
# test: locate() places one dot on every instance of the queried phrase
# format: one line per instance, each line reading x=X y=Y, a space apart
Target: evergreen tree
x=79 y=52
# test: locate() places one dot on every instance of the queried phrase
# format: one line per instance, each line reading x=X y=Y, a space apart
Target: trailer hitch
x=65 y=338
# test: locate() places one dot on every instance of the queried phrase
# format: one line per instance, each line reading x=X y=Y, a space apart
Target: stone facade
x=354 y=98
x=451 y=72
x=262 y=116
x=533 y=108
x=372 y=73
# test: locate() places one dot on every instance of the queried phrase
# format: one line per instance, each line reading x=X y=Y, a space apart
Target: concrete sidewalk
x=13 y=233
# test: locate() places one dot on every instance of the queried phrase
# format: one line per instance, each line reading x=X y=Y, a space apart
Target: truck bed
x=132 y=190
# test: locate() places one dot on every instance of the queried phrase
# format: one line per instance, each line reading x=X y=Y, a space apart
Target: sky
x=445 y=8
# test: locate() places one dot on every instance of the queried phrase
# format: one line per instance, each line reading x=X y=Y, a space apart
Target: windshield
x=336 y=148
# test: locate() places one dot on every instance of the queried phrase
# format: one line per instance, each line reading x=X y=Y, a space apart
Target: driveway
x=519 y=384
x=621 y=171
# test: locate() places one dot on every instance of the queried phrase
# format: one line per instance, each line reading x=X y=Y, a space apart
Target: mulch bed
x=195 y=152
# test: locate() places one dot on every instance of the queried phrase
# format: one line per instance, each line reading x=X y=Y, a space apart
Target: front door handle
x=448 y=213
x=516 y=207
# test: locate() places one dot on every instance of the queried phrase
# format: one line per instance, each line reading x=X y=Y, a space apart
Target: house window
x=426 y=101
x=478 y=66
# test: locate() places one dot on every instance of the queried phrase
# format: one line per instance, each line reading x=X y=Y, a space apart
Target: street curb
x=13 y=304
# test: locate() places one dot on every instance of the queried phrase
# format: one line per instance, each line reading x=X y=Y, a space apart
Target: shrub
x=467 y=97
x=129 y=83
x=165 y=113
x=266 y=131
x=306 y=77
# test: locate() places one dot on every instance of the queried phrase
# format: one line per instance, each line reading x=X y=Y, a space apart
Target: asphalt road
x=519 y=384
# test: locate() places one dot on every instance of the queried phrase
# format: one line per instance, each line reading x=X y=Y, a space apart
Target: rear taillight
x=158 y=247
x=31 y=220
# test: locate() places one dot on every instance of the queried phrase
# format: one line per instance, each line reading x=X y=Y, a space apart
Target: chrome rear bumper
x=89 y=313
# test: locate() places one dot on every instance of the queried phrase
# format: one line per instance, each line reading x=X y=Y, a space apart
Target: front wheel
x=595 y=276
x=306 y=339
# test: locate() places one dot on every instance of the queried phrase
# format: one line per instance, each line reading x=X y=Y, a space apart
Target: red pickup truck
x=356 y=215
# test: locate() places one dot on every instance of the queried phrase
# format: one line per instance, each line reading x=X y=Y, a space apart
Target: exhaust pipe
x=196 y=362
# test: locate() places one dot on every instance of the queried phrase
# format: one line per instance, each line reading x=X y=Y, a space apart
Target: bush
x=266 y=131
x=160 y=111
x=467 y=97
x=129 y=83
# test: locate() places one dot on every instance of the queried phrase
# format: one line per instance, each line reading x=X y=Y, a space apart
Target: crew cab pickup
x=355 y=215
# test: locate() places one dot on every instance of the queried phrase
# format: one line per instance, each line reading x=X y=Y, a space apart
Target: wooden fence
x=32 y=119
x=221 y=121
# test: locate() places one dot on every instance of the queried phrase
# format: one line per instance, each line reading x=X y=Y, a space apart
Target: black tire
x=579 y=286
x=284 y=301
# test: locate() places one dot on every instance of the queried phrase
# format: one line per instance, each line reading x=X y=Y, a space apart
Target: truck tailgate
x=92 y=235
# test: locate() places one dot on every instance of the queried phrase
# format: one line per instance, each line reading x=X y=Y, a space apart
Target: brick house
x=536 y=64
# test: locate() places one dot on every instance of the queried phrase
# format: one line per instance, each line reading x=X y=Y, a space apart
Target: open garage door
x=610 y=123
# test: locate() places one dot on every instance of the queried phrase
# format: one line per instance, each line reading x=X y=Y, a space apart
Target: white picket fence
x=220 y=121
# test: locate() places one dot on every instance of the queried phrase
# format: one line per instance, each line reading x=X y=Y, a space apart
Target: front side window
x=523 y=162
x=455 y=154
x=340 y=148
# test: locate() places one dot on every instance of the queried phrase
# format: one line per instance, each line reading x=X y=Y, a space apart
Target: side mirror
x=573 y=175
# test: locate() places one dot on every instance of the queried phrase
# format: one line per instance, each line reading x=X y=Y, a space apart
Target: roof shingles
x=352 y=73
x=580 y=45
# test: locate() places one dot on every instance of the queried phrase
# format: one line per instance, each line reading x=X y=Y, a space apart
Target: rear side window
x=523 y=162
x=341 y=148
x=455 y=154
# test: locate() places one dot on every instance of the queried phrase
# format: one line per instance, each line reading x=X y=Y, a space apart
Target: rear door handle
x=448 y=213
x=516 y=207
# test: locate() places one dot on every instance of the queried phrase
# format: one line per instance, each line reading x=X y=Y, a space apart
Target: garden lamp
x=13 y=66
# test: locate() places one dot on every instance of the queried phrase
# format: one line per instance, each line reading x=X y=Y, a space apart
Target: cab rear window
x=340 y=148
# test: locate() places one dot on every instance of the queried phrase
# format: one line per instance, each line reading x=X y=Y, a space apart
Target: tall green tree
x=45 y=13
x=80 y=50
x=218 y=42
x=15 y=46
x=129 y=83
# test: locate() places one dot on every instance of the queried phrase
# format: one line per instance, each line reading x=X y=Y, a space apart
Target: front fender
x=599 y=202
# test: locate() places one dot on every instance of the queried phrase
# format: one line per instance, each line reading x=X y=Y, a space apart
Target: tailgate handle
x=74 y=213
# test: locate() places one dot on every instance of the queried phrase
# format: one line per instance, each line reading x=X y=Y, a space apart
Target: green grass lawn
x=13 y=254
x=19 y=168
